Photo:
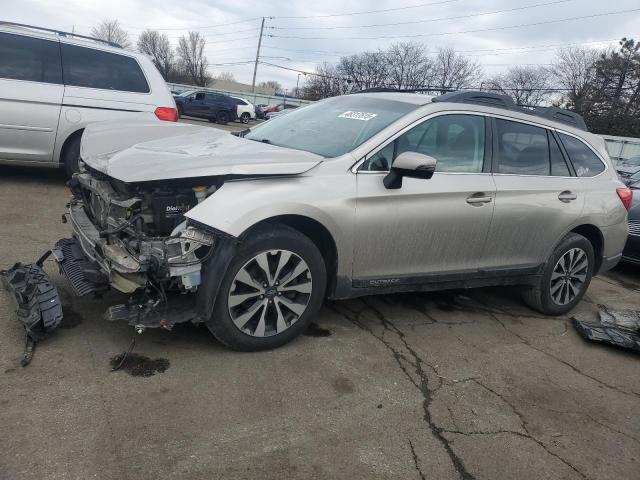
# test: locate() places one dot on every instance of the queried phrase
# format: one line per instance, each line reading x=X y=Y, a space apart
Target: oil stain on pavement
x=140 y=365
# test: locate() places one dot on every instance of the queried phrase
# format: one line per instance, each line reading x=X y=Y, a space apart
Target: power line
x=419 y=5
x=546 y=22
x=525 y=7
x=196 y=27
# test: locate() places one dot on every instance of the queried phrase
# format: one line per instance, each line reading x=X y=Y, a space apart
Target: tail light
x=167 y=114
x=626 y=196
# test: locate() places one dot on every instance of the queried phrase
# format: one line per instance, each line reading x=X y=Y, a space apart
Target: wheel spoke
x=581 y=277
x=300 y=268
x=567 y=294
x=260 y=328
x=555 y=288
x=244 y=277
x=302 y=287
x=296 y=308
x=242 y=320
x=281 y=324
x=263 y=263
x=282 y=261
x=237 y=299
x=582 y=265
x=555 y=275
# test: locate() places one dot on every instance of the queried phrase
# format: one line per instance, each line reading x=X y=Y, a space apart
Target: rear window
x=87 y=67
x=31 y=59
x=585 y=162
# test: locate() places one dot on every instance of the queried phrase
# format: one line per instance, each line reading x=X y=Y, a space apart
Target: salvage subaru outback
x=355 y=195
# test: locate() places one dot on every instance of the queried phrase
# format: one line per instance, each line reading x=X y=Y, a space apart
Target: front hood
x=147 y=151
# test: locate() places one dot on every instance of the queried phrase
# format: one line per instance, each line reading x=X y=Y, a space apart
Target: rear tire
x=222 y=117
x=565 y=278
x=295 y=275
x=245 y=117
x=71 y=156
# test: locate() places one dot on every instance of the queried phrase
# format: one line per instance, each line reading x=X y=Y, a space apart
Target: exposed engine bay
x=138 y=233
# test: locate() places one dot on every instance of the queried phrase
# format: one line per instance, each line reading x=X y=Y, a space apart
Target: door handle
x=478 y=199
x=567 y=196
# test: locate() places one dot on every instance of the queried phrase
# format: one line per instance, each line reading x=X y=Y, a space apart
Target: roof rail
x=60 y=32
x=506 y=102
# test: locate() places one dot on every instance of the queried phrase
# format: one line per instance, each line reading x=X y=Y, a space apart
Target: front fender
x=327 y=199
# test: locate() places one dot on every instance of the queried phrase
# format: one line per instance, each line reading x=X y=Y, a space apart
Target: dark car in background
x=632 y=248
x=259 y=111
x=215 y=107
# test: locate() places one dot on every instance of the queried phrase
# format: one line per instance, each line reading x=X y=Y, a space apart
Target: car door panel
x=537 y=199
x=426 y=227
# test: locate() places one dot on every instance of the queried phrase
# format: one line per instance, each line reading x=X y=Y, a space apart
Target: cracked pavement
x=450 y=385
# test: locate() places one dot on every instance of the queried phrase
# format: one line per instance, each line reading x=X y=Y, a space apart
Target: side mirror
x=412 y=165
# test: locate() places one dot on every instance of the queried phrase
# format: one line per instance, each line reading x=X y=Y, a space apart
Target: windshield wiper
x=263 y=140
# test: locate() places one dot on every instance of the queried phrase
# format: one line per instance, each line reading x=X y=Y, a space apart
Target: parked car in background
x=215 y=107
x=259 y=111
x=245 y=110
x=628 y=167
x=632 y=248
x=53 y=84
x=279 y=110
x=426 y=193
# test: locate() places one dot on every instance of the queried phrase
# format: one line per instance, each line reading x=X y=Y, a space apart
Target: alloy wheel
x=270 y=293
x=569 y=276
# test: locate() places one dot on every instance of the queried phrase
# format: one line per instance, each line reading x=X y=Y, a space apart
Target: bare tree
x=192 y=58
x=271 y=85
x=527 y=85
x=157 y=46
x=325 y=83
x=226 y=77
x=454 y=71
x=575 y=70
x=408 y=65
x=365 y=70
x=111 y=31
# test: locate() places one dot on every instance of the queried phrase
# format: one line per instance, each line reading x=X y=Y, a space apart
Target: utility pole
x=255 y=67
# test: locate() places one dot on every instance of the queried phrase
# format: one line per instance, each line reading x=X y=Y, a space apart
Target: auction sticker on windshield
x=364 y=116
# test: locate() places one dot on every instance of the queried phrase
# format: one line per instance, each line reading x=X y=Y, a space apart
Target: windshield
x=332 y=127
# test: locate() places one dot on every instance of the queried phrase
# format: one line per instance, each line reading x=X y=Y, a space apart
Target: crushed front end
x=135 y=239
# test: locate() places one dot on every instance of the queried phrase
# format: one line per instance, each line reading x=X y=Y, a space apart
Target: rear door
x=427 y=229
x=538 y=196
x=30 y=97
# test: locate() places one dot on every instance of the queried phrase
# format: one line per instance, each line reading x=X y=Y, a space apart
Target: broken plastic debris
x=618 y=327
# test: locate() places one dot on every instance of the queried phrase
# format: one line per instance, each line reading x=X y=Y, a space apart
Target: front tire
x=565 y=279
x=223 y=117
x=273 y=287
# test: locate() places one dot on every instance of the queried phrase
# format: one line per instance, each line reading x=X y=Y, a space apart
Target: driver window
x=200 y=96
x=455 y=141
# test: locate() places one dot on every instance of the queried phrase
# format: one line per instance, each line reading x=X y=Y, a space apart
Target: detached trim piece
x=38 y=303
x=100 y=108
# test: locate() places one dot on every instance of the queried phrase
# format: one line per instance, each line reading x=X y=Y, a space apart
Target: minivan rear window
x=87 y=67
x=31 y=59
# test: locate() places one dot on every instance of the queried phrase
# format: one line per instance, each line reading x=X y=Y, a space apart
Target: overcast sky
x=486 y=40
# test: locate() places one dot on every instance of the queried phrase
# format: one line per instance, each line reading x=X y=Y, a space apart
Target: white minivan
x=53 y=84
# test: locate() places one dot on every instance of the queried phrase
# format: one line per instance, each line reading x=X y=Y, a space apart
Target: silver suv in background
x=53 y=84
x=354 y=195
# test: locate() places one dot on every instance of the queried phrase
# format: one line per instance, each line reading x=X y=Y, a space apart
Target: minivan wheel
x=271 y=290
x=565 y=279
x=71 y=156
x=245 y=117
x=222 y=117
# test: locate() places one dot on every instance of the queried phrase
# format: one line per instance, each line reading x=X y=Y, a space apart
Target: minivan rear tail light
x=167 y=114
x=626 y=195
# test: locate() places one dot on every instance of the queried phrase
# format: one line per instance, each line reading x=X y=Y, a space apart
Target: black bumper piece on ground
x=37 y=300
x=617 y=327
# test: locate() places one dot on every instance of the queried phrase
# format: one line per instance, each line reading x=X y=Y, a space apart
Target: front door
x=428 y=228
